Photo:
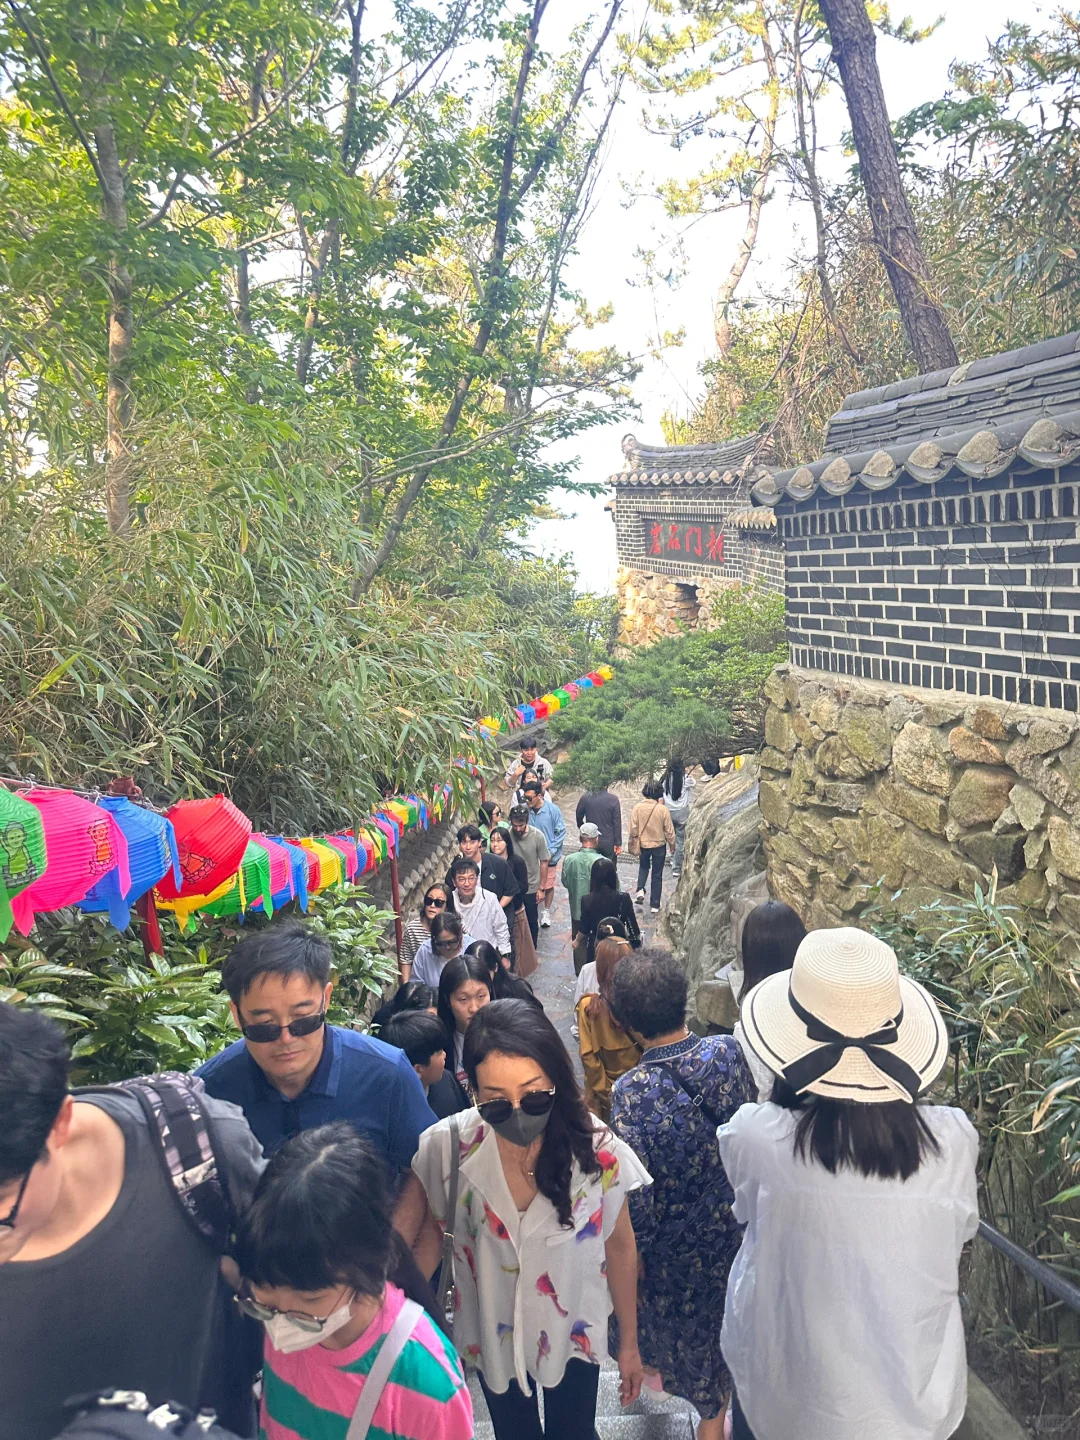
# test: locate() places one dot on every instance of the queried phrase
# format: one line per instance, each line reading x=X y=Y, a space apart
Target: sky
x=625 y=219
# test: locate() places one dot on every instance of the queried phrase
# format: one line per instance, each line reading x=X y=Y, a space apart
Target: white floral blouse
x=530 y=1294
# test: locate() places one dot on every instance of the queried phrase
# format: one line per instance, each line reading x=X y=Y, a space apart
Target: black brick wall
x=968 y=585
x=750 y=556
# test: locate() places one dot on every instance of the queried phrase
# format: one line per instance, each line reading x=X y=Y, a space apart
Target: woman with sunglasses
x=543 y=1245
x=464 y=988
x=448 y=940
x=438 y=899
x=334 y=1286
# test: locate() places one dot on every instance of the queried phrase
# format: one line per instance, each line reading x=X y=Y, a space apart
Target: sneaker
x=639 y=898
x=675 y=874
x=545 y=917
x=654 y=909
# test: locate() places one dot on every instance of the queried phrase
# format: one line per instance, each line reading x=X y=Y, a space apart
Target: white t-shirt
x=587 y=983
x=842 y=1319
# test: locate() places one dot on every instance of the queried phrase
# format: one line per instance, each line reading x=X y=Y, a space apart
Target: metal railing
x=1057 y=1285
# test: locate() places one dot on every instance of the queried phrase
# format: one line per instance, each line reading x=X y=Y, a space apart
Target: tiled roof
x=975 y=420
x=761 y=517
x=713 y=464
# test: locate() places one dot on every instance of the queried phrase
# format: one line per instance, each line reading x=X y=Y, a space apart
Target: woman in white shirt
x=448 y=940
x=771 y=936
x=842 y=1318
x=543 y=1245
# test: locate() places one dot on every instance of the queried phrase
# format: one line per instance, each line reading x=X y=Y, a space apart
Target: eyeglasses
x=446 y=944
x=535 y=1102
x=267 y=1034
x=438 y=904
x=11 y=1218
x=264 y=1313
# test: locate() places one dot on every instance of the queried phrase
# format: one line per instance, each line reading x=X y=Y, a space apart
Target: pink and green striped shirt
x=312 y=1394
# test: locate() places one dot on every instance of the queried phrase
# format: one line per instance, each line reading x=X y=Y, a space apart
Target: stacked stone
x=923 y=790
x=652 y=607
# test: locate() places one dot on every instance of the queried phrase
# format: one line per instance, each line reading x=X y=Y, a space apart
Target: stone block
x=1069 y=905
x=928 y=812
x=1055 y=786
x=987 y=850
x=941 y=712
x=834 y=758
x=986 y=721
x=1045 y=736
x=885 y=850
x=1030 y=890
x=804 y=779
x=838 y=795
x=867 y=734
x=921 y=756
x=931 y=860
x=809 y=690
x=980 y=796
x=715 y=1004
x=815 y=831
x=779 y=732
x=807 y=733
x=773 y=803
x=1029 y=805
x=774 y=760
x=1064 y=846
x=899 y=711
x=825 y=713
x=966 y=745
x=791 y=688
x=774 y=690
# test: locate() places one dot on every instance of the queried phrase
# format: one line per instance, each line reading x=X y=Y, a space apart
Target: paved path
x=653 y=1417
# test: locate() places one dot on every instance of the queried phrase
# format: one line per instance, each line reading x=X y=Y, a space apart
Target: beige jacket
x=650 y=825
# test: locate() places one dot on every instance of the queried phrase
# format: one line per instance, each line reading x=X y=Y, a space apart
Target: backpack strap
x=184 y=1135
x=696 y=1098
x=396 y=1339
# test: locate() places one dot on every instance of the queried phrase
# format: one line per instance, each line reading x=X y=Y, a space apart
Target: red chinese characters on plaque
x=699 y=543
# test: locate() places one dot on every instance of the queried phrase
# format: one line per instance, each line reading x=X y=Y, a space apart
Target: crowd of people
x=323 y=1231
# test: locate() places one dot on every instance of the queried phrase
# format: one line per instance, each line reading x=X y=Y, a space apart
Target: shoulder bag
x=397 y=1338
x=447 y=1286
x=696 y=1098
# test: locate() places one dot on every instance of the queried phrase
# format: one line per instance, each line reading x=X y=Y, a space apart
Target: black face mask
x=522 y=1129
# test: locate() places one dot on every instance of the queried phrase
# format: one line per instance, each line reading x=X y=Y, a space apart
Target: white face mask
x=286 y=1336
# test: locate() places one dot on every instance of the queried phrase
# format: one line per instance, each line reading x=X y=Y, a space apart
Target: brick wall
x=707 y=503
x=971 y=585
x=764 y=559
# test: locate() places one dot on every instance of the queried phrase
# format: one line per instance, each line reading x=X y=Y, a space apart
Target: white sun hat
x=844 y=1023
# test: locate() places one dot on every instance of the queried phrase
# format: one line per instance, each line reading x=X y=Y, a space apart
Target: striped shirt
x=312 y=1394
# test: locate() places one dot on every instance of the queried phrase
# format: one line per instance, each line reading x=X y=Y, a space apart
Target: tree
x=695 y=698
x=895 y=231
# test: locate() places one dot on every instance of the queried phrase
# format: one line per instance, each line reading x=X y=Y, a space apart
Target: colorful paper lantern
x=572 y=689
x=23 y=852
x=551 y=700
x=347 y=850
x=583 y=682
x=301 y=863
x=152 y=853
x=331 y=866
x=84 y=846
x=596 y=678
x=528 y=714
x=605 y=672
x=563 y=696
x=540 y=708
x=211 y=836
x=251 y=883
x=282 y=884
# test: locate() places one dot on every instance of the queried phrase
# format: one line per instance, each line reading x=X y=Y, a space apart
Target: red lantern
x=211 y=836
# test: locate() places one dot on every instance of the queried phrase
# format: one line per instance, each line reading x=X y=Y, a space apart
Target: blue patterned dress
x=685 y=1230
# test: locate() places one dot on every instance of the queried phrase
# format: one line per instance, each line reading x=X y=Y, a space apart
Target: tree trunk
x=119 y=463
x=895 y=233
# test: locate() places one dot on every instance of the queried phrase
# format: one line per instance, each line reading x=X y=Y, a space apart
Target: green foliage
x=129 y=1015
x=696 y=697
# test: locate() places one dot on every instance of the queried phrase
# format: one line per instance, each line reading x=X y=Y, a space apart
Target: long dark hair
x=891 y=1140
x=770 y=937
x=321 y=1218
x=514 y=1027
x=413 y=995
x=447 y=922
x=504 y=986
x=486 y=809
x=603 y=876
x=673 y=778
x=454 y=974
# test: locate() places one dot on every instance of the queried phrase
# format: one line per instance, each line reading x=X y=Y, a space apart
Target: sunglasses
x=536 y=1102
x=446 y=944
x=248 y=1305
x=11 y=1218
x=267 y=1034
x=439 y=904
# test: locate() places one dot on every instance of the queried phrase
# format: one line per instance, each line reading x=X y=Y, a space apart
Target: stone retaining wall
x=923 y=789
x=653 y=606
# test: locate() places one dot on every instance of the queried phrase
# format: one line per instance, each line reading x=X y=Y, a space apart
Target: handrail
x=1049 y=1279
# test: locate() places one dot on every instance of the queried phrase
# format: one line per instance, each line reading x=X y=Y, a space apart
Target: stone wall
x=923 y=789
x=652 y=606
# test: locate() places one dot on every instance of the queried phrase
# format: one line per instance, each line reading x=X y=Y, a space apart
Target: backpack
x=128 y=1415
x=172 y=1105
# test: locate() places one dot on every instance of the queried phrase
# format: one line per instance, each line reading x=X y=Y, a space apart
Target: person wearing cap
x=842 y=1317
x=577 y=867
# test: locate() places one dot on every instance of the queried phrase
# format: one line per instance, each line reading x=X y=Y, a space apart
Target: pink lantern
x=85 y=846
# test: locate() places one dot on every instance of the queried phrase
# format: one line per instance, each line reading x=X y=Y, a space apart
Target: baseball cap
x=589 y=831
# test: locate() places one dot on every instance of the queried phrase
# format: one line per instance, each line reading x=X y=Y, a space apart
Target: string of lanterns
x=540 y=709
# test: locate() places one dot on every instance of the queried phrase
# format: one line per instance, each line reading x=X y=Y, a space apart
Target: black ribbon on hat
x=803 y=1072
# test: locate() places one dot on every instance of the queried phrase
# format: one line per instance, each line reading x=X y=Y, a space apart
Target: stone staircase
x=653 y=1417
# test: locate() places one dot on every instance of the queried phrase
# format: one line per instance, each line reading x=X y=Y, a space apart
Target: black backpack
x=172 y=1104
x=128 y=1415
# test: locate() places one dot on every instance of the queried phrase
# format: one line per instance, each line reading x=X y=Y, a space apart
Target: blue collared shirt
x=358 y=1079
x=548 y=820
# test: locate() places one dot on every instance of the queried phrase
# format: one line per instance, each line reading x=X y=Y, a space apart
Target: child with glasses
x=438 y=899
x=335 y=1288
x=543 y=1245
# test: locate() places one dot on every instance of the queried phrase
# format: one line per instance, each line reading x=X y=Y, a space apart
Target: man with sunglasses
x=292 y=1071
x=104 y=1282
